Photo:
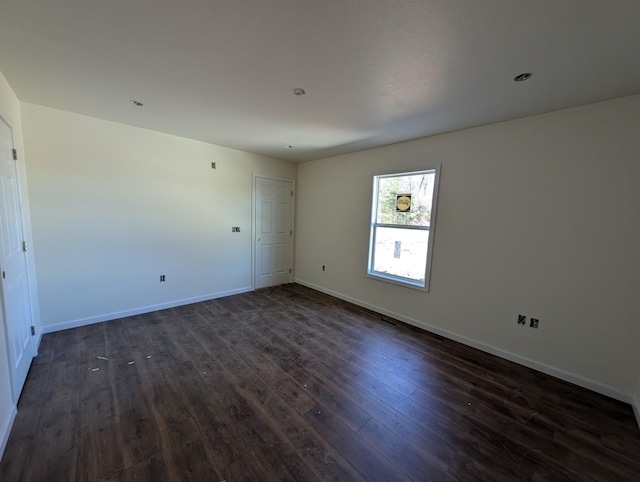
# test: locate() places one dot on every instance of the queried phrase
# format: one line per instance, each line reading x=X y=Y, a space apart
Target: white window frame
x=386 y=277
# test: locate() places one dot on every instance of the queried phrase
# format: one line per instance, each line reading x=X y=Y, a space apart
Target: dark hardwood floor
x=288 y=384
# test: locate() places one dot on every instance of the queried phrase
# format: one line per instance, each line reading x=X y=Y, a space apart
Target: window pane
x=401 y=252
x=405 y=199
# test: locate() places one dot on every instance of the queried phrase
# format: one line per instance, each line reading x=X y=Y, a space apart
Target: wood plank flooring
x=288 y=384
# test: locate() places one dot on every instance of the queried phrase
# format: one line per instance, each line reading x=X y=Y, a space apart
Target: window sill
x=398 y=281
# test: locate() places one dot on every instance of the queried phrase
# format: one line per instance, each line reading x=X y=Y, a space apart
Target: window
x=402 y=220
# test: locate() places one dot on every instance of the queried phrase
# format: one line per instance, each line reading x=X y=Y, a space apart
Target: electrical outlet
x=213 y=165
x=522 y=319
x=324 y=268
x=162 y=278
x=235 y=229
x=534 y=322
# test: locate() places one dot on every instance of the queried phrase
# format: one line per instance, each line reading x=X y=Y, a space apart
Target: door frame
x=15 y=393
x=254 y=199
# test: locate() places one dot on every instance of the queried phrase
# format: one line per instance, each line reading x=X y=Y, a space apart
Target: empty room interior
x=278 y=240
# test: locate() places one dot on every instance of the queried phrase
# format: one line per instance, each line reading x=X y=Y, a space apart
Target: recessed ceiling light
x=136 y=103
x=299 y=91
x=522 y=77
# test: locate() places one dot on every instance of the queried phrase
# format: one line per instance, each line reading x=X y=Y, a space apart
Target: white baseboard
x=138 y=311
x=527 y=362
x=5 y=429
x=636 y=410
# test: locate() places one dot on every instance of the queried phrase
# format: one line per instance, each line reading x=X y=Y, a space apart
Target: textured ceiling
x=375 y=72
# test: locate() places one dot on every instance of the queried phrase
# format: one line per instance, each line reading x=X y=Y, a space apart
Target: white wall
x=537 y=216
x=10 y=110
x=636 y=402
x=114 y=207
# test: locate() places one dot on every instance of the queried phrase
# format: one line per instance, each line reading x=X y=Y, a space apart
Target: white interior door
x=273 y=231
x=16 y=311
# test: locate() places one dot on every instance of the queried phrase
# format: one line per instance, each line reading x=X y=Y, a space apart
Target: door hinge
x=291 y=193
x=33 y=330
x=4 y=275
x=289 y=270
x=291 y=233
x=24 y=246
x=15 y=154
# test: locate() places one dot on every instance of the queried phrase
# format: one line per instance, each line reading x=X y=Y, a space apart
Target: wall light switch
x=235 y=229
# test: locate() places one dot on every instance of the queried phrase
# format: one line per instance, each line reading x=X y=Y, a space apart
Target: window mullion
x=400 y=226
